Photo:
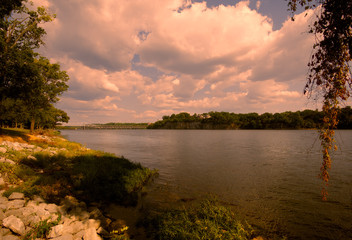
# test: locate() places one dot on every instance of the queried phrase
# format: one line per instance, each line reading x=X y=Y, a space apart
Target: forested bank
x=306 y=119
x=106 y=126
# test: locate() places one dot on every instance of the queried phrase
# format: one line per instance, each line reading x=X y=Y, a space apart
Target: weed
x=42 y=229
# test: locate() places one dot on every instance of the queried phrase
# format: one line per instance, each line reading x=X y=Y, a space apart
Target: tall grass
x=208 y=220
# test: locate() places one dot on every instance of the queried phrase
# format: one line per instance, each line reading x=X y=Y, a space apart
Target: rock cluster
x=20 y=217
x=17 y=146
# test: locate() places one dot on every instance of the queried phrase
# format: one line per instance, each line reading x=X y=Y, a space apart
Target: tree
x=24 y=74
x=46 y=84
x=329 y=69
x=20 y=34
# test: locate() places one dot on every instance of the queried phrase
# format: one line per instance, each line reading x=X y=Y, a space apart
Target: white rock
x=51 y=208
x=79 y=235
x=15 y=212
x=38 y=199
x=2 y=182
x=3 y=150
x=16 y=195
x=5 y=160
x=15 y=224
x=76 y=227
x=5 y=231
x=64 y=237
x=3 y=200
x=56 y=231
x=32 y=220
x=10 y=237
x=15 y=204
x=91 y=234
x=26 y=211
x=42 y=213
x=2 y=216
x=30 y=157
x=90 y=223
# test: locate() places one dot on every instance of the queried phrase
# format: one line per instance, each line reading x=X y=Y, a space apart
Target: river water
x=268 y=176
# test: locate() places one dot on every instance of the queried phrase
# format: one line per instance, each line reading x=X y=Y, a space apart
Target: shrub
x=208 y=220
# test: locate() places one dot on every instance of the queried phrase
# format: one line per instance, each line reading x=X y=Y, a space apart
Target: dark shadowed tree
x=24 y=74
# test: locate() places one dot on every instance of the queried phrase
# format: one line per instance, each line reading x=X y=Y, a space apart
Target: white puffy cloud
x=225 y=58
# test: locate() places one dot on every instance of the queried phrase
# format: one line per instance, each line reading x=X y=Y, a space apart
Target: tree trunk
x=32 y=124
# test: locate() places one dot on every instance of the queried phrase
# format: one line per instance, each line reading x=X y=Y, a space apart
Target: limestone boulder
x=64 y=237
x=91 y=234
x=14 y=224
x=5 y=160
x=16 y=196
x=10 y=237
x=56 y=231
x=15 y=204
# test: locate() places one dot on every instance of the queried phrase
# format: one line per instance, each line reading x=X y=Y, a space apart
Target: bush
x=208 y=220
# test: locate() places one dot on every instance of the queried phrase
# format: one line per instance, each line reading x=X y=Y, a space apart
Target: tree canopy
x=307 y=119
x=29 y=83
x=329 y=67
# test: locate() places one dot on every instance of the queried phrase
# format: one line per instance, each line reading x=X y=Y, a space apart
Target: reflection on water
x=268 y=176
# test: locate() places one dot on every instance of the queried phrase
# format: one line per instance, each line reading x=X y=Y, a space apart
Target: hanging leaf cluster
x=329 y=67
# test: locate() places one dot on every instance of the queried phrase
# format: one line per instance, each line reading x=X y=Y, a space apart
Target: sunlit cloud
x=139 y=60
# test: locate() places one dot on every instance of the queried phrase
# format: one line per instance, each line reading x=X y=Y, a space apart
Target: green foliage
x=208 y=220
x=42 y=229
x=8 y=171
x=107 y=177
x=29 y=83
x=107 y=126
x=87 y=175
x=224 y=120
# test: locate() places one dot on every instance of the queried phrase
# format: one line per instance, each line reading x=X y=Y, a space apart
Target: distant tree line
x=224 y=120
x=29 y=83
x=111 y=125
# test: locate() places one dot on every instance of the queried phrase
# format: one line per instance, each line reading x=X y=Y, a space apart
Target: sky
x=136 y=61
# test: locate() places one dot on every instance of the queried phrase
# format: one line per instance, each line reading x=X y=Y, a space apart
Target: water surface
x=268 y=176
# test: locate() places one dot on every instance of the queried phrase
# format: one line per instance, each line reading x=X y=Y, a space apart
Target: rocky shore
x=20 y=217
x=33 y=218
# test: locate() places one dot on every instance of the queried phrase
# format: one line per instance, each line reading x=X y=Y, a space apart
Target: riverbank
x=53 y=188
x=56 y=189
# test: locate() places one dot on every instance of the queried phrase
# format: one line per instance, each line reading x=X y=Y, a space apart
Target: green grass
x=89 y=176
x=42 y=229
x=207 y=220
x=85 y=174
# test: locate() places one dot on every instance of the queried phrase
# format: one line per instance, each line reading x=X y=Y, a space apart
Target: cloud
x=224 y=58
x=284 y=56
x=199 y=40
